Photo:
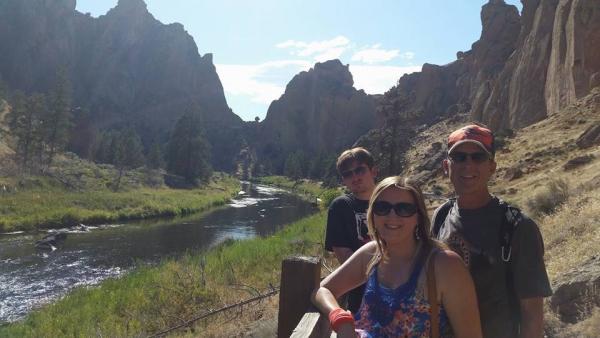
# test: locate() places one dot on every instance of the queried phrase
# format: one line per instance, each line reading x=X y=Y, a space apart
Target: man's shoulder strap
x=440 y=216
x=512 y=218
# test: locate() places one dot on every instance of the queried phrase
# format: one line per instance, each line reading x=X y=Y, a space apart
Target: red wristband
x=338 y=317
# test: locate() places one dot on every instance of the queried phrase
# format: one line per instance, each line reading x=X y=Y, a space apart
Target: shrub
x=550 y=198
x=327 y=197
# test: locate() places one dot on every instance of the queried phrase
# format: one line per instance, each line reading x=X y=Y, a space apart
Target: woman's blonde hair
x=423 y=223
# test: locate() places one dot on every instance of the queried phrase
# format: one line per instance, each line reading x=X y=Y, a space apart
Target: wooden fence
x=298 y=318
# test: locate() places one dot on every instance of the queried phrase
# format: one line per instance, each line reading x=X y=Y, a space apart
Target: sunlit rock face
x=522 y=69
x=465 y=84
x=125 y=67
x=319 y=113
x=554 y=64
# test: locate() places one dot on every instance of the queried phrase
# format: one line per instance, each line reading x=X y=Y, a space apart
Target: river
x=30 y=277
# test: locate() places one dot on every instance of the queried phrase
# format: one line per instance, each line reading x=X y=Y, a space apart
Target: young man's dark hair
x=358 y=154
x=347 y=217
x=502 y=247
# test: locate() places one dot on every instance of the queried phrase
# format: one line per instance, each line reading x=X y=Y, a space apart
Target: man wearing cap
x=504 y=254
x=347 y=216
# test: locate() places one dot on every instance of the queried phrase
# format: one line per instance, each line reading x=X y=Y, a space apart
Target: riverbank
x=152 y=299
x=56 y=207
x=311 y=190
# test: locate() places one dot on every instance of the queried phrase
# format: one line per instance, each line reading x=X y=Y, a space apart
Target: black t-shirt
x=347 y=223
x=474 y=235
x=347 y=228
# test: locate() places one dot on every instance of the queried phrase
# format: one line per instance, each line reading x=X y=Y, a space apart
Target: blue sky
x=259 y=45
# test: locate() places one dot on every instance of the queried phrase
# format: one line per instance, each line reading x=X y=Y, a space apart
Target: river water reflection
x=29 y=278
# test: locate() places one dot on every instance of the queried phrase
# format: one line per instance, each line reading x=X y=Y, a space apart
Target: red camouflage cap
x=481 y=136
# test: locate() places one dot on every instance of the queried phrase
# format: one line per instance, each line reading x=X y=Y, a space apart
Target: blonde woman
x=408 y=275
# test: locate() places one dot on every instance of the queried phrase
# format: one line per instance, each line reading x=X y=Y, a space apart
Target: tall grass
x=152 y=299
x=53 y=207
x=572 y=237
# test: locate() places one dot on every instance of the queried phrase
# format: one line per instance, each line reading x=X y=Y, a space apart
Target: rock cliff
x=125 y=67
x=521 y=70
x=319 y=113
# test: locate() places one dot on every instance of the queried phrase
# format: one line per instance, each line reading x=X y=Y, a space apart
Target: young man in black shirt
x=502 y=247
x=347 y=216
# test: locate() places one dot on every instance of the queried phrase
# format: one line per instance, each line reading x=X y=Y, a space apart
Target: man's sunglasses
x=383 y=208
x=358 y=171
x=461 y=157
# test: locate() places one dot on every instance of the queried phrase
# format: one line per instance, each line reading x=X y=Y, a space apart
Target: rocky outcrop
x=319 y=113
x=554 y=63
x=125 y=67
x=464 y=85
x=516 y=97
x=578 y=161
x=590 y=137
x=574 y=289
x=575 y=57
x=522 y=69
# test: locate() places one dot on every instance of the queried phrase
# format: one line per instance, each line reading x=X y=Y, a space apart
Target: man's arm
x=530 y=277
x=532 y=317
x=341 y=253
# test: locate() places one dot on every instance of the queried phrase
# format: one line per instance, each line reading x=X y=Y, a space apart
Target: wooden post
x=299 y=277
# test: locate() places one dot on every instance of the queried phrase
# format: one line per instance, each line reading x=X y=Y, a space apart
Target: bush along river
x=31 y=276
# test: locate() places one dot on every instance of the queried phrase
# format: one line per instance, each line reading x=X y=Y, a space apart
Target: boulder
x=513 y=173
x=50 y=241
x=578 y=161
x=433 y=158
x=590 y=137
x=576 y=289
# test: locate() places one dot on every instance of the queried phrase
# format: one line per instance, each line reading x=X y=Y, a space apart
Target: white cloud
x=407 y=55
x=318 y=50
x=375 y=54
x=378 y=79
x=250 y=89
x=253 y=80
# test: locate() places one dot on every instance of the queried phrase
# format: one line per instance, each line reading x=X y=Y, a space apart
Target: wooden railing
x=298 y=318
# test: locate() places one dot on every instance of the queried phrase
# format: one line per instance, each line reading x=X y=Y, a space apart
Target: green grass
x=151 y=299
x=309 y=189
x=48 y=206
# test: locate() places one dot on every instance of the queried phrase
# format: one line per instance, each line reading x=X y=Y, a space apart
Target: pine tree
x=295 y=165
x=127 y=152
x=187 y=151
x=57 y=121
x=155 y=157
x=103 y=148
x=26 y=127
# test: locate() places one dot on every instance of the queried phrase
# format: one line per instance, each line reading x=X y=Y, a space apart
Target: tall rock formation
x=319 y=113
x=574 y=63
x=126 y=67
x=522 y=69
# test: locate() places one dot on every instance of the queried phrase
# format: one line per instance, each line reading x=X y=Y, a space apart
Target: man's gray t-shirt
x=475 y=235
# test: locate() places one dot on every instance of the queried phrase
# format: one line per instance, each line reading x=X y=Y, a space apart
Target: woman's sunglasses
x=383 y=208
x=461 y=157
